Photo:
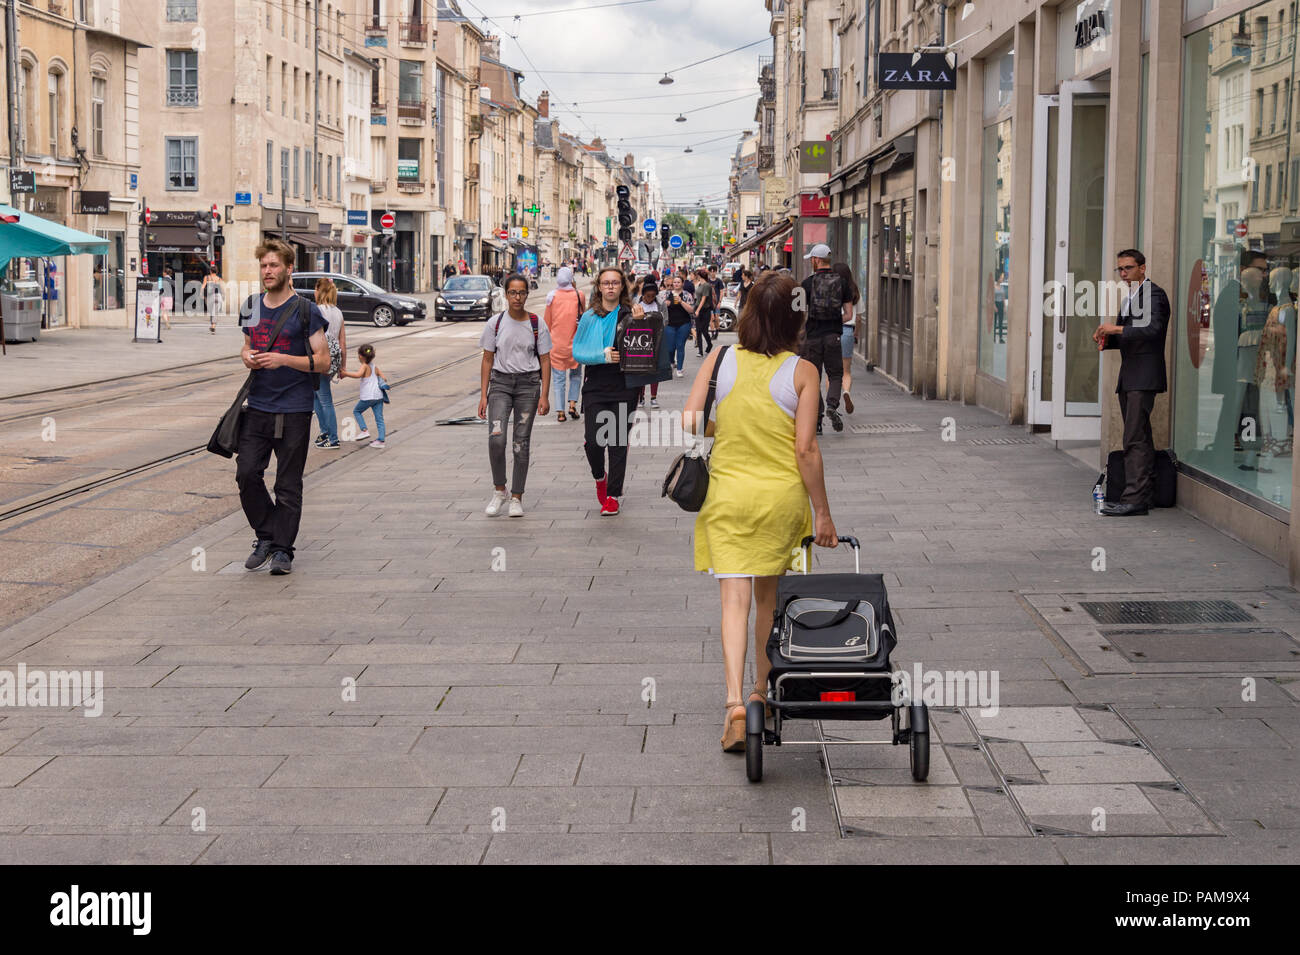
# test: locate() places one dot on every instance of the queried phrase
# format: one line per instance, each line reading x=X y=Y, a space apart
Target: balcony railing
x=412 y=110
x=182 y=96
x=180 y=11
x=831 y=84
x=376 y=28
x=378 y=185
x=414 y=32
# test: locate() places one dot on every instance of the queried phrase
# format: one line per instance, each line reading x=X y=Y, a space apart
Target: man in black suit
x=1140 y=338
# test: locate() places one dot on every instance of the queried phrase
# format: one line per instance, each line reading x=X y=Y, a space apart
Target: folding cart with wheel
x=829 y=648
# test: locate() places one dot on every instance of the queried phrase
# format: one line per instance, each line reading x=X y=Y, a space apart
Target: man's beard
x=279 y=286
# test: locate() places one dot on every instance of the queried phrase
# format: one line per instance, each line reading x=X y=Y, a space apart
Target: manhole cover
x=991 y=441
x=887 y=427
x=1166 y=611
x=1226 y=645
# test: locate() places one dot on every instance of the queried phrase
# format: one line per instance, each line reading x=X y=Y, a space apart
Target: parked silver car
x=729 y=307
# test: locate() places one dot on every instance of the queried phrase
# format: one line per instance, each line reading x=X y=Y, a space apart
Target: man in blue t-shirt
x=279 y=406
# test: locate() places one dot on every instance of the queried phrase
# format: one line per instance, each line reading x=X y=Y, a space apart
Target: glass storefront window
x=999 y=76
x=1235 y=311
x=109 y=281
x=995 y=250
x=1084 y=38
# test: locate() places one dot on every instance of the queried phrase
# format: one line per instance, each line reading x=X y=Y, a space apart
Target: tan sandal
x=761 y=697
x=733 y=734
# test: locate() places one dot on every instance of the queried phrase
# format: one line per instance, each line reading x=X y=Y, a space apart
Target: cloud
x=587 y=56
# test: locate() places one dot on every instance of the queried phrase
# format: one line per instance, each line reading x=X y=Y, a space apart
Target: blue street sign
x=357 y=217
x=243 y=198
x=134 y=181
x=649 y=225
x=675 y=241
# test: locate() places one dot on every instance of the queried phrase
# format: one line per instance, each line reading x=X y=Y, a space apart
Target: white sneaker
x=516 y=507
x=654 y=402
x=376 y=444
x=494 y=505
x=678 y=372
x=363 y=436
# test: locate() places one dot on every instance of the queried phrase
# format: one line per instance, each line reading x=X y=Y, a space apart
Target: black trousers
x=606 y=428
x=1139 y=448
x=703 y=338
x=275 y=521
x=824 y=351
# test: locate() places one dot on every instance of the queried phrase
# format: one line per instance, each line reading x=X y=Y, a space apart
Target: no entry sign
x=388 y=220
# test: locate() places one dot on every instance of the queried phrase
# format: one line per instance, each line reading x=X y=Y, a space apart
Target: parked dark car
x=468 y=296
x=362 y=301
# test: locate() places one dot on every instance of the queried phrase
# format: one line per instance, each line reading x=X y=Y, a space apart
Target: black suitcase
x=1166 y=491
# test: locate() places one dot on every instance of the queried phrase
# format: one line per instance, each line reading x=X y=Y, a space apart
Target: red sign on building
x=814 y=204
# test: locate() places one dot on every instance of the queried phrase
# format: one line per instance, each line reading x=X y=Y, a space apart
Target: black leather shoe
x=1123 y=510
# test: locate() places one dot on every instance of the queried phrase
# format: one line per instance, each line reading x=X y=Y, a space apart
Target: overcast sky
x=561 y=51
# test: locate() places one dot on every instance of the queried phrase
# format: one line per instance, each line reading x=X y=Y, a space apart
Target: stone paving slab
x=522 y=691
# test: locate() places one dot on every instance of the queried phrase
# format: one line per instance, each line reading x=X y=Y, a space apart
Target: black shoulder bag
x=687 y=482
x=225 y=439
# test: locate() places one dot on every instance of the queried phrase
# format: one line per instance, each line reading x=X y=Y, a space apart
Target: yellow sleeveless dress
x=757 y=509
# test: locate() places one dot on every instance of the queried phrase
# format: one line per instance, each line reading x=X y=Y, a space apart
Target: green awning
x=32 y=236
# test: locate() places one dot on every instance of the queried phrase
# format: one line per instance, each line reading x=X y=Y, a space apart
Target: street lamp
x=680 y=118
x=666 y=81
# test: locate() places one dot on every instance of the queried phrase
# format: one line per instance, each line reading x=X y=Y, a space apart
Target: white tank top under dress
x=370 y=390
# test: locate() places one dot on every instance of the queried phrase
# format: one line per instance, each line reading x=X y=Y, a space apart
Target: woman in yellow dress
x=764 y=467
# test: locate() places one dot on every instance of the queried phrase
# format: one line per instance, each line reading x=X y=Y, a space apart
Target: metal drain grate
x=991 y=441
x=1166 y=611
x=887 y=427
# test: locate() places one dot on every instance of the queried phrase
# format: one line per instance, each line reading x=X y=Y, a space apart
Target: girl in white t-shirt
x=372 y=394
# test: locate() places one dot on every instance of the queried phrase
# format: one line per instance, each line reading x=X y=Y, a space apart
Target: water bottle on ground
x=1098 y=495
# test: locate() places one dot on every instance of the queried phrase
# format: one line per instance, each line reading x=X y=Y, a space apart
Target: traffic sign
x=675 y=241
x=649 y=225
x=388 y=220
x=1241 y=229
x=502 y=234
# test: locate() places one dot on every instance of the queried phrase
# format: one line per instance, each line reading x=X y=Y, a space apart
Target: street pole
x=15 y=105
x=315 y=105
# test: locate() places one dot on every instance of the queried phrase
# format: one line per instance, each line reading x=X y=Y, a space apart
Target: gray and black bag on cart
x=829 y=647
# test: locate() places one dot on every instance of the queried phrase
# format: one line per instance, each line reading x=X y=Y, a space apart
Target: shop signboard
x=814 y=204
x=916 y=71
x=147 y=326
x=93 y=203
x=408 y=170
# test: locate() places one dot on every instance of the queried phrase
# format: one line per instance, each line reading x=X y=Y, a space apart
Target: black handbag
x=225 y=438
x=687 y=482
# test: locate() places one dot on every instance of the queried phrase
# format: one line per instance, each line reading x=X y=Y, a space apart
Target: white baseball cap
x=819 y=251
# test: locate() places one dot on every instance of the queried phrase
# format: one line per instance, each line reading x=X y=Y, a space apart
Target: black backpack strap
x=713 y=384
x=532 y=319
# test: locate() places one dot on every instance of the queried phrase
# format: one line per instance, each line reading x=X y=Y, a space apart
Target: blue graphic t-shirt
x=283 y=390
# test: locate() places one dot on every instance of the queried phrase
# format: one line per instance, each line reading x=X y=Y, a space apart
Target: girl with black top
x=607 y=401
x=704 y=304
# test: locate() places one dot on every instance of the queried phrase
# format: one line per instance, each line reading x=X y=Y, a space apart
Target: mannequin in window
x=1272 y=371
x=1255 y=307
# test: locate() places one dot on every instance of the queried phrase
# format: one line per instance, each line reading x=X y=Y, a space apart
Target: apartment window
x=270 y=167
x=338 y=176
x=306 y=174
x=284 y=171
x=318 y=164
x=296 y=181
x=182 y=78
x=1254 y=192
x=410 y=84
x=182 y=163
x=1281 y=183
x=295 y=92
x=98 y=95
x=284 y=89
x=329 y=177
x=408 y=160
x=1259 y=111
x=55 y=88
x=284 y=21
x=296 y=17
x=182 y=11
x=268 y=15
x=1272 y=119
x=268 y=84
x=1268 y=186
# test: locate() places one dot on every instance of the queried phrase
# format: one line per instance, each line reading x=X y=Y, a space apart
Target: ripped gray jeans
x=512 y=403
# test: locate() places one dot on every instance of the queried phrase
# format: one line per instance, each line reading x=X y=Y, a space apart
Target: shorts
x=846 y=341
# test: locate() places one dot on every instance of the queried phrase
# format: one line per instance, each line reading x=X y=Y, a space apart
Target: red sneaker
x=601 y=485
x=609 y=508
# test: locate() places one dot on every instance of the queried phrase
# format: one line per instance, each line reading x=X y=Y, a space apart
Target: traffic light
x=203 y=228
x=663 y=236
x=626 y=214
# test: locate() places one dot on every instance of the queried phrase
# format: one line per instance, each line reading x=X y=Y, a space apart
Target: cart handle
x=807 y=542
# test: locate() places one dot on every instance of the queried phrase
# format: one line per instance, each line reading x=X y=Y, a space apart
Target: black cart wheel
x=754 y=741
x=919 y=754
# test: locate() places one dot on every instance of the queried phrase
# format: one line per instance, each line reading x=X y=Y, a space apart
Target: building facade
x=77 y=121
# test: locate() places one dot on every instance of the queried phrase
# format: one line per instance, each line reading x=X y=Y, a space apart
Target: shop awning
x=494 y=244
x=315 y=241
x=771 y=233
x=23 y=234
